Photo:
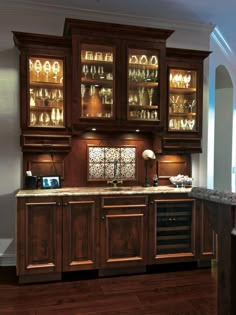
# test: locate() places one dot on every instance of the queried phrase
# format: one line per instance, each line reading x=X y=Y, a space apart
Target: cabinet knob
x=58 y=203
x=151 y=202
x=65 y=204
x=103 y=218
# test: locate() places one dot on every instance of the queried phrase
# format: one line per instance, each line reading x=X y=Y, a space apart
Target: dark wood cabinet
x=185 y=100
x=45 y=79
x=124 y=231
x=179 y=231
x=207 y=236
x=109 y=233
x=80 y=233
x=55 y=234
x=39 y=237
x=118 y=75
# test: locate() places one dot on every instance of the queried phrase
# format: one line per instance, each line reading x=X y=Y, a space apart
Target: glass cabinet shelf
x=46 y=92
x=143 y=85
x=182 y=111
x=97 y=83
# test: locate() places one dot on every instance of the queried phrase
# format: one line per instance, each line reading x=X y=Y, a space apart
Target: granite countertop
x=219 y=196
x=83 y=191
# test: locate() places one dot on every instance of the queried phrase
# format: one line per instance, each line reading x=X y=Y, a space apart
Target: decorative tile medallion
x=109 y=162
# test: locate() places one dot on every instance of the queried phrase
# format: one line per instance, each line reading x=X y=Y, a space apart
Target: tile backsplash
x=101 y=164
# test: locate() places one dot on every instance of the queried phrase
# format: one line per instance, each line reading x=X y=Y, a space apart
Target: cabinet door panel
x=123 y=235
x=39 y=236
x=79 y=235
x=207 y=235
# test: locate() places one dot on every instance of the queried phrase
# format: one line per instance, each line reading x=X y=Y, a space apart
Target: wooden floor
x=172 y=292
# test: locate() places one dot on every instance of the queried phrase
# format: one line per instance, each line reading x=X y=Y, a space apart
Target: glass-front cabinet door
x=143 y=85
x=97 y=81
x=183 y=107
x=46 y=92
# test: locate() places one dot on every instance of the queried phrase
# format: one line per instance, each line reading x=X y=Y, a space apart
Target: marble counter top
x=214 y=195
x=85 y=191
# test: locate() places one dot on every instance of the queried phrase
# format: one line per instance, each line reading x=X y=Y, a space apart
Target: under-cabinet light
x=93 y=129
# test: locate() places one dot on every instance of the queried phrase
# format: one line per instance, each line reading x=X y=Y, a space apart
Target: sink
x=117 y=188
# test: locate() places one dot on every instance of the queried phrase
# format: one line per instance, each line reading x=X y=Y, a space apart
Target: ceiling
x=203 y=12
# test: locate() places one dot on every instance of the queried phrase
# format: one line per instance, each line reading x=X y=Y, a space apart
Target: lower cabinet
x=71 y=233
x=55 y=234
x=179 y=231
x=39 y=239
x=124 y=229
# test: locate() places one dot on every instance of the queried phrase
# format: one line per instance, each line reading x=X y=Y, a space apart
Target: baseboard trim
x=7 y=260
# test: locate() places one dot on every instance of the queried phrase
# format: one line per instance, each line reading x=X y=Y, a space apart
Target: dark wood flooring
x=172 y=292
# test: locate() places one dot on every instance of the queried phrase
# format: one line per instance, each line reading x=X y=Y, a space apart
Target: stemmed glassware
x=83 y=89
x=56 y=69
x=150 y=95
x=141 y=95
x=187 y=79
x=37 y=68
x=47 y=68
x=85 y=70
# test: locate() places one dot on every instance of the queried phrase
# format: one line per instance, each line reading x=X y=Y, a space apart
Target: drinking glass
x=37 y=68
x=47 y=68
x=55 y=69
x=83 y=89
x=150 y=95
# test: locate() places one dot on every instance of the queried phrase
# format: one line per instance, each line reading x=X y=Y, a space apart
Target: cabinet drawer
x=124 y=201
x=45 y=142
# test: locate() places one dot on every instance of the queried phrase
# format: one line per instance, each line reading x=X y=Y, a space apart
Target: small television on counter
x=50 y=182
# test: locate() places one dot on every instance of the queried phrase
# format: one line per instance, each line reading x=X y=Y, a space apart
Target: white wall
x=52 y=22
x=221 y=98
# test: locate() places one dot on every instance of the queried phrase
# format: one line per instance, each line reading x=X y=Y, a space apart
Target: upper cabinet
x=44 y=71
x=109 y=77
x=44 y=92
x=97 y=81
x=183 y=114
x=184 y=99
x=143 y=85
x=118 y=79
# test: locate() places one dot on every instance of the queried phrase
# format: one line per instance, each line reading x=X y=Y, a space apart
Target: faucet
x=115 y=181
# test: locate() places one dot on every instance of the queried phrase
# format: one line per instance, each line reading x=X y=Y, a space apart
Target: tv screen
x=50 y=182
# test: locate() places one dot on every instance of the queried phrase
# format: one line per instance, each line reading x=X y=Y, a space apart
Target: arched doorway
x=223 y=131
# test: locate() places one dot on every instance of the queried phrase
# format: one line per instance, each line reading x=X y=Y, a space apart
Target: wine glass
x=56 y=69
x=83 y=89
x=187 y=80
x=150 y=95
x=31 y=65
x=47 y=68
x=44 y=95
x=44 y=119
x=33 y=119
x=85 y=70
x=37 y=68
x=141 y=95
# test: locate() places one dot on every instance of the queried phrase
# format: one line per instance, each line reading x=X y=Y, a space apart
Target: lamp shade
x=148 y=154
